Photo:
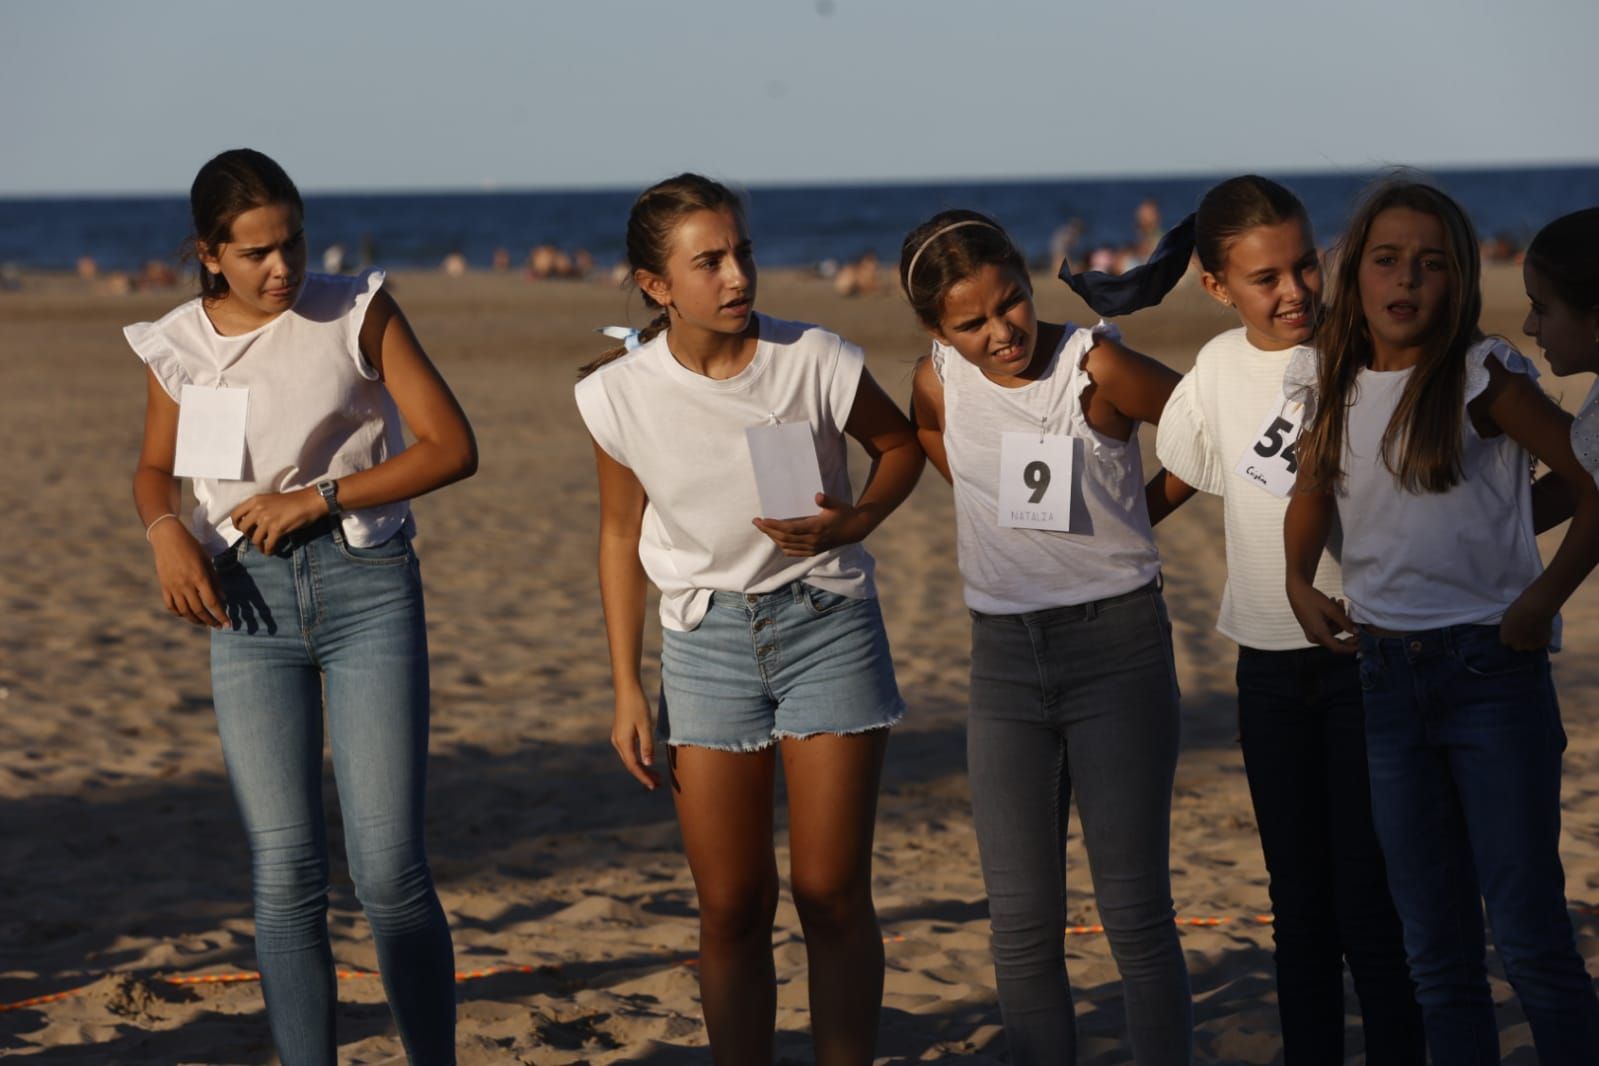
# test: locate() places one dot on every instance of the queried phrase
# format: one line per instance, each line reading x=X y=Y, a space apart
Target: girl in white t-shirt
x=1561 y=273
x=1418 y=439
x=772 y=638
x=1073 y=688
x=299 y=559
x=1228 y=430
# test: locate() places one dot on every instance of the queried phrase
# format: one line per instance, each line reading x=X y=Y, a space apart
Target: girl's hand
x=633 y=737
x=1528 y=624
x=188 y=583
x=267 y=517
x=1322 y=618
x=833 y=527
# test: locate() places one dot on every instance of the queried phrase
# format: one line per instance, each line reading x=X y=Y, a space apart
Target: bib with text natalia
x=1035 y=481
x=211 y=433
x=1269 y=461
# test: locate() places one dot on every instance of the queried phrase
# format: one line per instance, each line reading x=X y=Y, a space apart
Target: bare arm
x=1128 y=387
x=188 y=583
x=927 y=414
x=1532 y=420
x=897 y=458
x=444 y=451
x=1553 y=502
x=622 y=588
x=1305 y=530
x=1165 y=493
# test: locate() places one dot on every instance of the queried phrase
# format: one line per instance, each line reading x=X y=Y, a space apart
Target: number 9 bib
x=1035 y=481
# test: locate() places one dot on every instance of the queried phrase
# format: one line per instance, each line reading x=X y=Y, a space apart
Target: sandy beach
x=125 y=867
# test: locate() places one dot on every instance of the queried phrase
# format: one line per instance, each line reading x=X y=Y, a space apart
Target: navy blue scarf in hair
x=1111 y=295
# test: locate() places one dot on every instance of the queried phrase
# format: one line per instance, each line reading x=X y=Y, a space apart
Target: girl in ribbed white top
x=1228 y=430
x=1073 y=689
x=1418 y=438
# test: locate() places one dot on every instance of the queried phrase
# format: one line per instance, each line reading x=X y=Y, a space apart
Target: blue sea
x=791 y=226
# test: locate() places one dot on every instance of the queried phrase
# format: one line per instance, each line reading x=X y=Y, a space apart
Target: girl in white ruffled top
x=1561 y=272
x=1419 y=435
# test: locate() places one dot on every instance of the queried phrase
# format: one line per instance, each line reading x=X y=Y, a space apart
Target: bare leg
x=832 y=799
x=724 y=806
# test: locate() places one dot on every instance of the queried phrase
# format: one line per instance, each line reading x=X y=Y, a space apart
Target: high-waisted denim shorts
x=762 y=667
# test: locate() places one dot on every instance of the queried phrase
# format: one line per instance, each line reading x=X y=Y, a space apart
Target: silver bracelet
x=157 y=522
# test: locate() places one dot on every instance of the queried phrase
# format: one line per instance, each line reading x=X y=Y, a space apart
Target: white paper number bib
x=787 y=475
x=1035 y=481
x=211 y=433
x=1270 y=461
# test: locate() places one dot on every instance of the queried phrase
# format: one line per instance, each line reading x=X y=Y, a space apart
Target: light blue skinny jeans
x=324 y=619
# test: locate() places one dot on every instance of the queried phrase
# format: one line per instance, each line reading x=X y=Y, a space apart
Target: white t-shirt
x=316 y=408
x=1110 y=548
x=1210 y=422
x=682 y=435
x=1416 y=561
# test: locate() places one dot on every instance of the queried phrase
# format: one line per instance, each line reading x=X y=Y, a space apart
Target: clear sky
x=459 y=94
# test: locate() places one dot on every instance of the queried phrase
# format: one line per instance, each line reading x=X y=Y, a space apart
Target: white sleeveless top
x=1416 y=561
x=682 y=435
x=316 y=408
x=1585 y=432
x=1011 y=571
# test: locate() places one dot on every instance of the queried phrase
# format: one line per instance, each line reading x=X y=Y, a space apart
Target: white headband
x=910 y=271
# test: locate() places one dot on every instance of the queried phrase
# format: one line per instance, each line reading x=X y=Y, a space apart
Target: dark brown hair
x=1566 y=253
x=1235 y=207
x=968 y=242
x=238 y=180
x=651 y=224
x=1422 y=443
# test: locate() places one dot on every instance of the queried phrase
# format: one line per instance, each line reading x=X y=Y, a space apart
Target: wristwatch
x=329 y=491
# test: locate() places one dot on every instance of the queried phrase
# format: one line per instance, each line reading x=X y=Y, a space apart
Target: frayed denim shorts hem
x=796 y=662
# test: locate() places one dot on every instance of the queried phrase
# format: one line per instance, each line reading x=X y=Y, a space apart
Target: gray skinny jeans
x=1082 y=696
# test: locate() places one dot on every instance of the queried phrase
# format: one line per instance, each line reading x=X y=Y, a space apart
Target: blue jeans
x=1304 y=741
x=1464 y=742
x=1083 y=699
x=325 y=615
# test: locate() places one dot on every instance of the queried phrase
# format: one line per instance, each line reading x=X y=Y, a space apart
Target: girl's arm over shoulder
x=622 y=588
x=188 y=584
x=1514 y=404
x=1128 y=387
x=890 y=440
x=927 y=413
x=444 y=451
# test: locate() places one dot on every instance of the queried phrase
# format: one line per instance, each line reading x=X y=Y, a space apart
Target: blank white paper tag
x=1035 y=481
x=1269 y=461
x=211 y=433
x=786 y=472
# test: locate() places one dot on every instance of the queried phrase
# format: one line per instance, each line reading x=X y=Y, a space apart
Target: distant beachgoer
x=502 y=260
x=454 y=264
x=87 y=268
x=333 y=259
x=299 y=560
x=859 y=277
x=773 y=641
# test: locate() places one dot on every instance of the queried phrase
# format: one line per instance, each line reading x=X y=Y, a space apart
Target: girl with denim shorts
x=1073 y=687
x=1418 y=438
x=282 y=395
x=1228 y=430
x=772 y=638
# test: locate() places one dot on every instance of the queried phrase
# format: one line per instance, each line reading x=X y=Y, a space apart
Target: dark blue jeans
x=328 y=623
x=1464 y=743
x=1079 y=699
x=1304 y=742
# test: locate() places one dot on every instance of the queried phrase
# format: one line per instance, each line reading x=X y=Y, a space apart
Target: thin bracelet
x=157 y=522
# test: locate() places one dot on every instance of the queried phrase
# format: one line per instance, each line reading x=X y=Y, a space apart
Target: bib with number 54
x=1269 y=461
x=1035 y=481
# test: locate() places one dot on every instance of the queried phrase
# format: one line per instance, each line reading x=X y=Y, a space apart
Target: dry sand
x=124 y=864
